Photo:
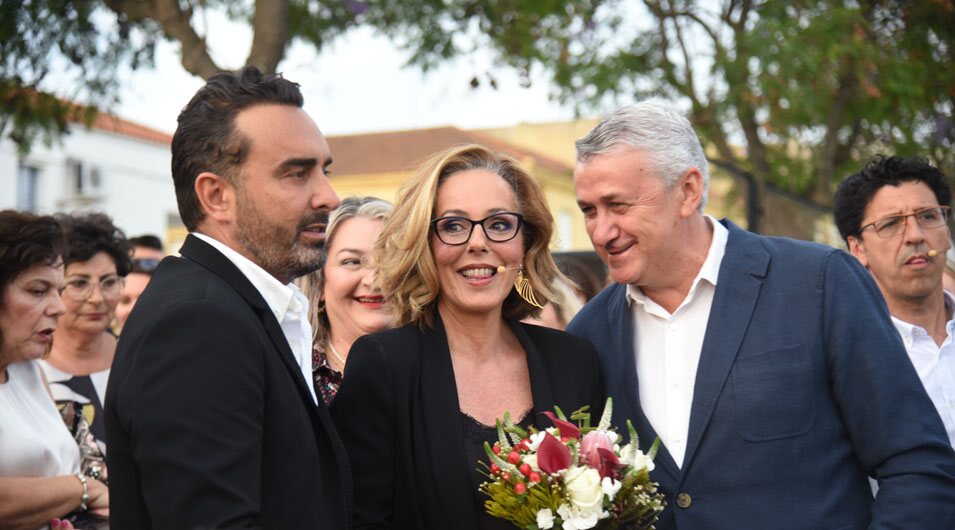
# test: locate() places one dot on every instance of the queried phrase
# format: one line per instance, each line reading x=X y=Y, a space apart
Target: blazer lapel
x=741 y=276
x=442 y=424
x=204 y=254
x=199 y=251
x=622 y=341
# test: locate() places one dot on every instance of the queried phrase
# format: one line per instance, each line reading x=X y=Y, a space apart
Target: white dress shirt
x=287 y=303
x=934 y=364
x=668 y=345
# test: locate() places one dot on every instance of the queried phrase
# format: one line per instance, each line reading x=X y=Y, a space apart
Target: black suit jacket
x=398 y=413
x=209 y=420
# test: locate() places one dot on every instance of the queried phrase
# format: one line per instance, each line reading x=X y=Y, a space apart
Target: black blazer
x=398 y=413
x=209 y=420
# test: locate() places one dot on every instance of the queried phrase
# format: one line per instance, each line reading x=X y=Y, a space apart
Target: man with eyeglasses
x=147 y=253
x=893 y=216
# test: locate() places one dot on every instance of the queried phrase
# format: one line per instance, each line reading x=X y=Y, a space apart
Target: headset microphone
x=932 y=253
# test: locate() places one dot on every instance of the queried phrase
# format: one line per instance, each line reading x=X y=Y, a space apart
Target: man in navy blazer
x=768 y=367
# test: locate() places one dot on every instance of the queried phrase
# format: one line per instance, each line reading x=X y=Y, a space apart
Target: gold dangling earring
x=524 y=289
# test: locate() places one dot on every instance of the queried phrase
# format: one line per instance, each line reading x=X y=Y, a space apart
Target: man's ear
x=857 y=249
x=216 y=196
x=691 y=184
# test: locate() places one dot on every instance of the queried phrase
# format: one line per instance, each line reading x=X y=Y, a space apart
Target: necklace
x=338 y=356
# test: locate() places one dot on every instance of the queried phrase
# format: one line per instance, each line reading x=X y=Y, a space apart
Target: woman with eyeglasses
x=40 y=479
x=345 y=301
x=463 y=258
x=95 y=262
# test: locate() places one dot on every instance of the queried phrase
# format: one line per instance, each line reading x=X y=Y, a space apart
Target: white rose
x=531 y=460
x=584 y=489
x=545 y=519
x=610 y=487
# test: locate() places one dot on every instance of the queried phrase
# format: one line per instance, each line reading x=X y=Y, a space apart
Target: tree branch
x=270 y=29
x=177 y=25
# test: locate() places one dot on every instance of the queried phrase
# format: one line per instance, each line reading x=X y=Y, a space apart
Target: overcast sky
x=357 y=84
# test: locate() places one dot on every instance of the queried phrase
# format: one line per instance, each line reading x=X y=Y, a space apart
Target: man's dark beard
x=270 y=246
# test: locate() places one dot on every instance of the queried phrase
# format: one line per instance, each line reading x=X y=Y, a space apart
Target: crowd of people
x=305 y=361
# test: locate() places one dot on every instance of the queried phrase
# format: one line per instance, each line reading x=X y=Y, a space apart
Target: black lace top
x=475 y=434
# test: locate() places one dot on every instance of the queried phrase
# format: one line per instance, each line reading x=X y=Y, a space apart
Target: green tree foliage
x=796 y=93
x=88 y=42
x=76 y=41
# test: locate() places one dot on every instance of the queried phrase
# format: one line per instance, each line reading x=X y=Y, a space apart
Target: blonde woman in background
x=344 y=300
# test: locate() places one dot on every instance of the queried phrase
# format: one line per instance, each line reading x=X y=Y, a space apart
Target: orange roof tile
x=117 y=125
x=388 y=152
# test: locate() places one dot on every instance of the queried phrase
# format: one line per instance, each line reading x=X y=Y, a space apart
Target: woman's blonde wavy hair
x=406 y=269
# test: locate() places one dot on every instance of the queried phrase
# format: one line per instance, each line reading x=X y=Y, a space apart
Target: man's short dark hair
x=856 y=191
x=147 y=241
x=206 y=139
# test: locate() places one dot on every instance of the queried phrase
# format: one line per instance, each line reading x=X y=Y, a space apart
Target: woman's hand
x=98 y=504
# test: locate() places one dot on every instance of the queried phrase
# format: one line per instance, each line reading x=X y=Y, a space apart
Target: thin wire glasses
x=80 y=289
x=499 y=228
x=893 y=225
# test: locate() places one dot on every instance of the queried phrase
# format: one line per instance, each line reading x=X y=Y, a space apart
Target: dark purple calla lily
x=565 y=427
x=609 y=463
x=552 y=456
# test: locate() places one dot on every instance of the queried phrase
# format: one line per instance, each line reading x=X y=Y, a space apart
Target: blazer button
x=684 y=500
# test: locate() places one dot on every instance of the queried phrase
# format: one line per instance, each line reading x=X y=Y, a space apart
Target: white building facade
x=115 y=167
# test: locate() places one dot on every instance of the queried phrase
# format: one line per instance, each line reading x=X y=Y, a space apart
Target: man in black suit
x=211 y=417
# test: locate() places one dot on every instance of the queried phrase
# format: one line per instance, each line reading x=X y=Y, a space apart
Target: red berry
x=513 y=457
x=506 y=476
x=534 y=476
x=525 y=445
x=495 y=469
x=564 y=439
x=496 y=449
x=520 y=488
x=525 y=469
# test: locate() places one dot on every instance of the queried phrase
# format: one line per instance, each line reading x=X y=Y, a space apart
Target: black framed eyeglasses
x=893 y=225
x=499 y=228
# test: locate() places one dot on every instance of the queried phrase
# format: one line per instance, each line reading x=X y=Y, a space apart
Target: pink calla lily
x=552 y=456
x=565 y=427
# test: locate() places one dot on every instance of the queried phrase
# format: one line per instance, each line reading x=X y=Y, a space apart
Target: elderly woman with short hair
x=463 y=258
x=39 y=460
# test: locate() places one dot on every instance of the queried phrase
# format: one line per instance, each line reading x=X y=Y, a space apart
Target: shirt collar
x=709 y=271
x=280 y=298
x=909 y=330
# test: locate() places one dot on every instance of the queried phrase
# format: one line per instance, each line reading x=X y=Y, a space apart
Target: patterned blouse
x=327 y=379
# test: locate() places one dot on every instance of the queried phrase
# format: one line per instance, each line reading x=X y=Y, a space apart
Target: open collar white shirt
x=287 y=303
x=668 y=346
x=934 y=364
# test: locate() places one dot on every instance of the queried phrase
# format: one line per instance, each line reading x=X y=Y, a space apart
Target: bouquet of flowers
x=570 y=476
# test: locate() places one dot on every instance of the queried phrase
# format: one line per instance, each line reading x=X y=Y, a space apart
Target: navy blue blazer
x=802 y=391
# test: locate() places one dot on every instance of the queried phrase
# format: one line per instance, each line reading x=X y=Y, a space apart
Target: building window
x=82 y=180
x=27 y=178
